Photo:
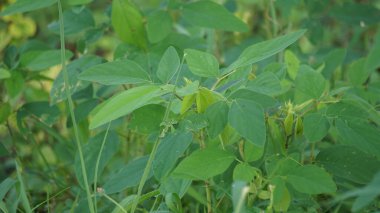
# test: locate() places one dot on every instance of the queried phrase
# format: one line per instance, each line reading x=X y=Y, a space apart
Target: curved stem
x=71 y=108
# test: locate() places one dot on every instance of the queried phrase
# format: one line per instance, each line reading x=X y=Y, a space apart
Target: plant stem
x=274 y=18
x=208 y=197
x=23 y=196
x=98 y=162
x=71 y=108
x=156 y=143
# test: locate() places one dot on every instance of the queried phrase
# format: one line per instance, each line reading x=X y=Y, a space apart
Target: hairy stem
x=71 y=108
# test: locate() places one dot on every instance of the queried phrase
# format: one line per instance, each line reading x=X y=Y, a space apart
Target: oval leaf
x=201 y=63
x=124 y=103
x=247 y=117
x=204 y=164
x=116 y=72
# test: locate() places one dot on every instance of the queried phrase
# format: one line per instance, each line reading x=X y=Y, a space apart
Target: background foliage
x=189 y=106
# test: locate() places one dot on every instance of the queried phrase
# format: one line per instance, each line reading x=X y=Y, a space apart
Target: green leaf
x=124 y=103
x=367 y=194
x=332 y=61
x=252 y=152
x=212 y=15
x=217 y=117
x=265 y=49
x=372 y=61
x=14 y=84
x=128 y=176
x=311 y=179
x=359 y=134
x=292 y=64
x=168 y=66
x=116 y=72
x=142 y=123
x=244 y=172
x=204 y=164
x=5 y=186
x=201 y=63
x=349 y=163
x=91 y=151
x=263 y=100
x=169 y=151
x=159 y=26
x=281 y=195
x=128 y=23
x=315 y=126
x=4 y=74
x=266 y=83
x=309 y=84
x=74 y=21
x=41 y=60
x=175 y=185
x=57 y=92
x=78 y=2
x=22 y=6
x=247 y=118
x=5 y=111
x=357 y=74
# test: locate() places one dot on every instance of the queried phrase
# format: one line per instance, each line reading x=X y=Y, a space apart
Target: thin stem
x=273 y=17
x=71 y=108
x=98 y=162
x=114 y=202
x=208 y=197
x=156 y=143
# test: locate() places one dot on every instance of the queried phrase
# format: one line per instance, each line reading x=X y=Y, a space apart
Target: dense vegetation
x=189 y=106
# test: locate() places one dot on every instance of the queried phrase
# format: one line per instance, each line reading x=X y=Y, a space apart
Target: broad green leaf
x=355 y=13
x=266 y=83
x=217 y=117
x=359 y=134
x=280 y=166
x=91 y=152
x=116 y=72
x=78 y=2
x=201 y=63
x=332 y=61
x=373 y=61
x=315 y=127
x=175 y=185
x=263 y=100
x=357 y=73
x=128 y=23
x=5 y=111
x=168 y=66
x=212 y=15
x=252 y=152
x=205 y=98
x=244 y=172
x=265 y=49
x=292 y=64
x=367 y=194
x=169 y=151
x=128 y=176
x=21 y=6
x=349 y=163
x=346 y=110
x=14 y=84
x=159 y=26
x=4 y=74
x=142 y=123
x=281 y=195
x=5 y=186
x=124 y=103
x=247 y=118
x=74 y=21
x=309 y=84
x=41 y=60
x=204 y=164
x=57 y=92
x=311 y=179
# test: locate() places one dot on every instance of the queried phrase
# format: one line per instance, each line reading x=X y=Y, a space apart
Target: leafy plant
x=189 y=106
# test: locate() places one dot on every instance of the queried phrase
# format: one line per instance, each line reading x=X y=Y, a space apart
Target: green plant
x=190 y=107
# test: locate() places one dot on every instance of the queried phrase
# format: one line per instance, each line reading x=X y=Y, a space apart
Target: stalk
x=156 y=143
x=71 y=108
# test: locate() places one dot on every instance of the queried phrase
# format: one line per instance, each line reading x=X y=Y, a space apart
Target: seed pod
x=288 y=124
x=299 y=126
